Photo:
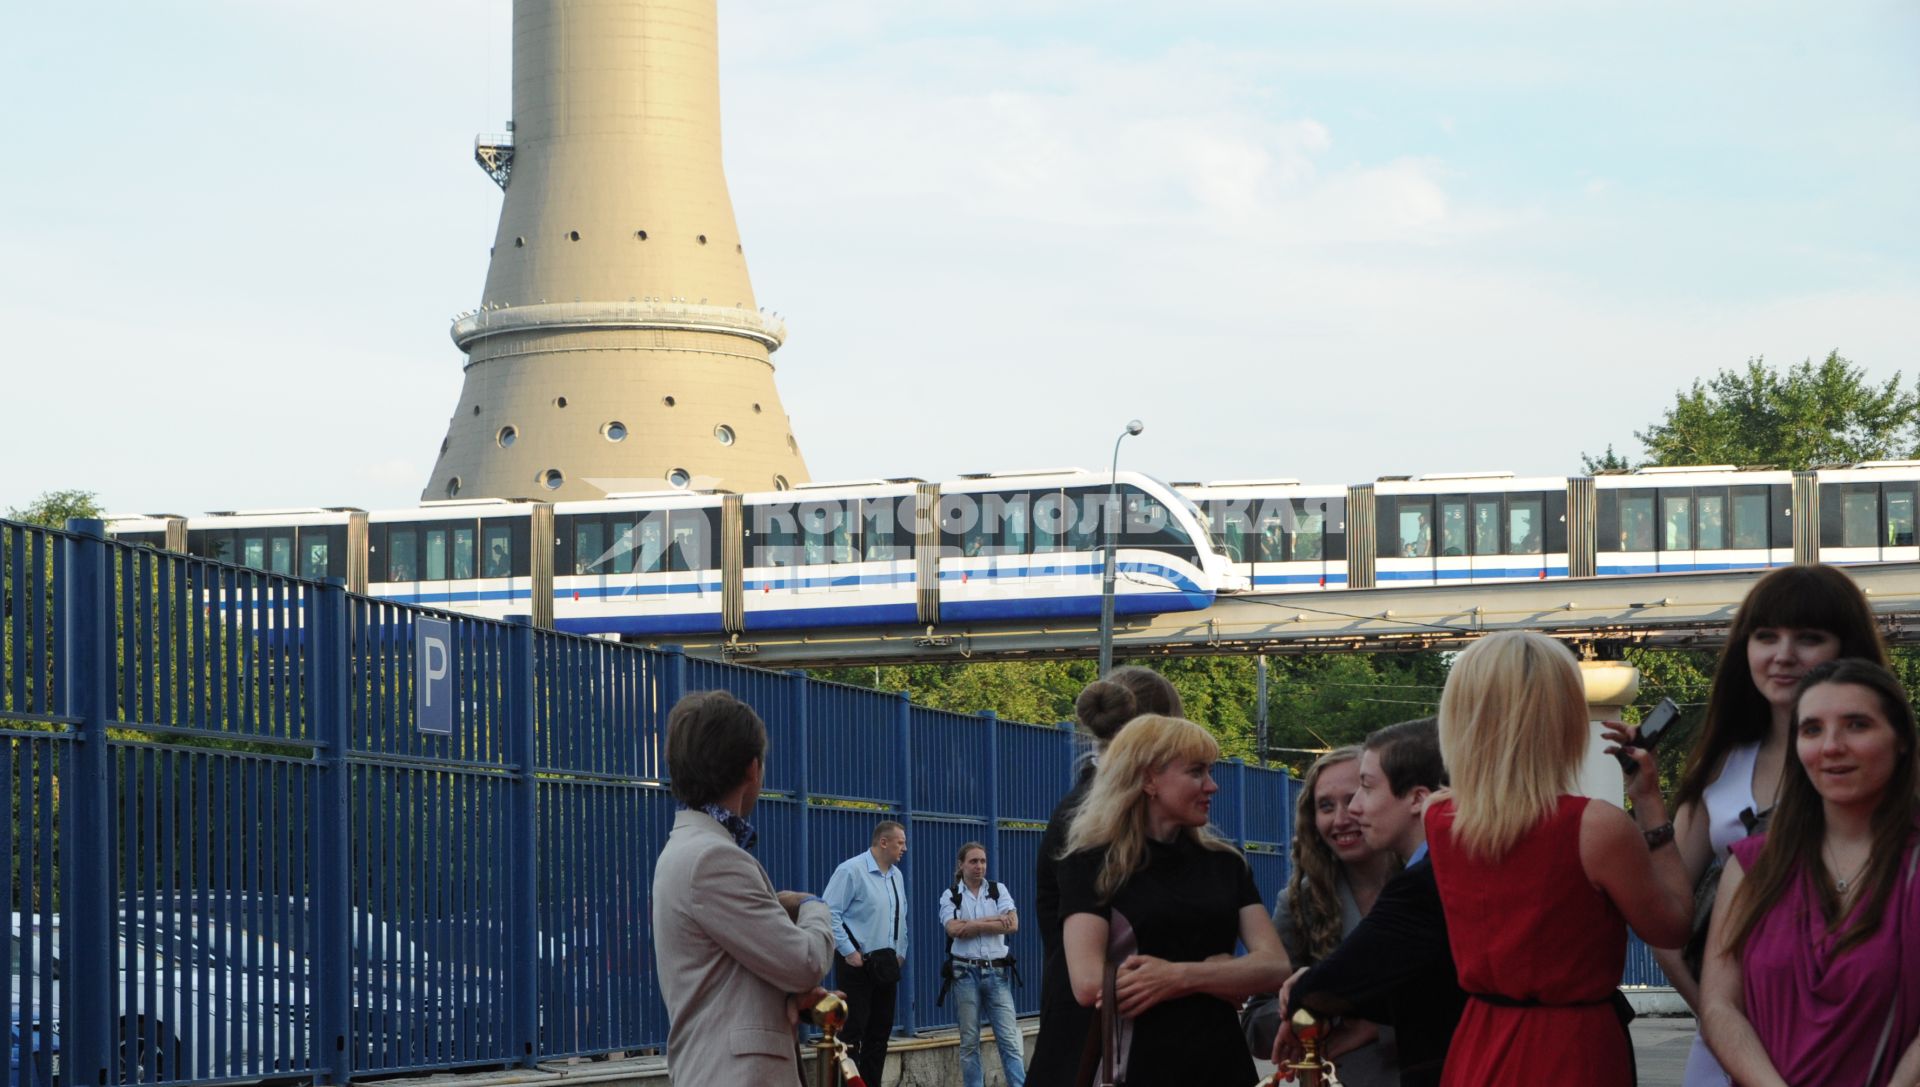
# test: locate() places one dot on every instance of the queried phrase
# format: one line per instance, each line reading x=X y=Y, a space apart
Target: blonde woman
x=1336 y=878
x=1539 y=886
x=1140 y=846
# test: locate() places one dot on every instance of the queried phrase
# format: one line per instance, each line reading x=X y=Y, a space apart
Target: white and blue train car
x=830 y=554
x=473 y=556
x=1279 y=534
x=638 y=564
x=1021 y=545
x=1867 y=512
x=1469 y=528
x=1712 y=517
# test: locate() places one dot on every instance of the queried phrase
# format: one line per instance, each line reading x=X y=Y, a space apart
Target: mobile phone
x=1648 y=735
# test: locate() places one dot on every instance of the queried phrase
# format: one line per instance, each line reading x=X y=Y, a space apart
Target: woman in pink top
x=1813 y=967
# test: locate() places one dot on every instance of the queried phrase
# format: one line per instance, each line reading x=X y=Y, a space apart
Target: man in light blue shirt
x=868 y=897
x=978 y=916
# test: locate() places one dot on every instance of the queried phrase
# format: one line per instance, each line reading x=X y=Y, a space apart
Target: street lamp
x=1112 y=547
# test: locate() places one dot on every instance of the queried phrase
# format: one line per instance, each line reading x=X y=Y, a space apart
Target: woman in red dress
x=1539 y=886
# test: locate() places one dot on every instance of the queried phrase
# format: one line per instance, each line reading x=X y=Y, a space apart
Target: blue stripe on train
x=1467 y=575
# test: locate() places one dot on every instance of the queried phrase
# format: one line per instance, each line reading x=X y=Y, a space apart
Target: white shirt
x=976 y=906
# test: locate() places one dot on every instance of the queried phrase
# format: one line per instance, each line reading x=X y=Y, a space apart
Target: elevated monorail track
x=1673 y=610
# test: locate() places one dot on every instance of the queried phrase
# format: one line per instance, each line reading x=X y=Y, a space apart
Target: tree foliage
x=54 y=508
x=1313 y=701
x=1809 y=414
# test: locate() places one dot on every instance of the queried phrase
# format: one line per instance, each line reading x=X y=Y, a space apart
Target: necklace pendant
x=1840 y=885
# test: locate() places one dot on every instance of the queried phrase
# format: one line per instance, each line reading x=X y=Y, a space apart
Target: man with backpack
x=978 y=915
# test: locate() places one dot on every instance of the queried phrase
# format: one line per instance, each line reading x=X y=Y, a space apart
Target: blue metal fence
x=236 y=855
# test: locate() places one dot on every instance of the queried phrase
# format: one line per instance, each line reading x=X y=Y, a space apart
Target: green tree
x=53 y=508
x=1807 y=415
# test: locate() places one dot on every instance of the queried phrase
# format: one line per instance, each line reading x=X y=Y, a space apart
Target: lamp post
x=1112 y=548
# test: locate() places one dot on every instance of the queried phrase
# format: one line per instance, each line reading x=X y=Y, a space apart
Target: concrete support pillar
x=1611 y=687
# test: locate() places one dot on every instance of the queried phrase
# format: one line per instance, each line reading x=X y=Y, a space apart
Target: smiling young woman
x=1793 y=620
x=1140 y=847
x=1813 y=972
x=1336 y=876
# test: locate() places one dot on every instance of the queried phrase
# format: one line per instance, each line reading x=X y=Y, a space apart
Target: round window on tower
x=723 y=434
x=507 y=436
x=559 y=401
x=552 y=480
x=453 y=487
x=667 y=400
x=679 y=477
x=615 y=432
x=780 y=483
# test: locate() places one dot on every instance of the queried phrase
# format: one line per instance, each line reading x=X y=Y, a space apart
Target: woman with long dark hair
x=1335 y=878
x=1813 y=968
x=1102 y=710
x=1793 y=619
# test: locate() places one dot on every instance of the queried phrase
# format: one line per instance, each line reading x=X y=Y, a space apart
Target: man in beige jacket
x=737 y=960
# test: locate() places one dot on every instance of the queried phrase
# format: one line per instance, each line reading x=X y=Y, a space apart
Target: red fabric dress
x=1529 y=927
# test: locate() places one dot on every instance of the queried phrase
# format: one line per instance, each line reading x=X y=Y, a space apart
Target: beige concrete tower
x=617 y=346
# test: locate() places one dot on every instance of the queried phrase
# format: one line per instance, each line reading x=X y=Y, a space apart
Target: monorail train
x=1475 y=528
x=1004 y=546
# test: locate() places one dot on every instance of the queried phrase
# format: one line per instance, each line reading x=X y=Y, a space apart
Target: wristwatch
x=1658 y=836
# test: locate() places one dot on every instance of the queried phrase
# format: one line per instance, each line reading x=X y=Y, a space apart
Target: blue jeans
x=971 y=986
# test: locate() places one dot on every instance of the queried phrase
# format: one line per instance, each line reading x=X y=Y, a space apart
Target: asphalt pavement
x=1659 y=1047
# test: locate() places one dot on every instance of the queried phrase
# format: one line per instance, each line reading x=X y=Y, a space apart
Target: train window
x=1526 y=517
x=626 y=544
x=1750 y=518
x=1413 y=523
x=1676 y=520
x=253 y=551
x=1636 y=521
x=1308 y=539
x=155 y=540
x=961 y=531
x=463 y=553
x=1861 y=527
x=1086 y=508
x=1453 y=525
x=501 y=556
x=1486 y=524
x=1710 y=513
x=1051 y=519
x=1273 y=531
x=589 y=545
x=1014 y=523
x=313 y=556
x=436 y=554
x=693 y=534
x=1780 y=505
x=1900 y=519
x=403 y=554
x=774 y=534
x=877 y=529
x=825 y=533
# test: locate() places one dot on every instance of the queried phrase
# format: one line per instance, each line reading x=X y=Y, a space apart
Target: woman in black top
x=1140 y=846
x=1103 y=709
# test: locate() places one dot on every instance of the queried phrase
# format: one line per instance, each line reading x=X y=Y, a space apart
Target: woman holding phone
x=1813 y=972
x=1793 y=620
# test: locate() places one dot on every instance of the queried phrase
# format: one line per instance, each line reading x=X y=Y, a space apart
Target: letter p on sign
x=433 y=676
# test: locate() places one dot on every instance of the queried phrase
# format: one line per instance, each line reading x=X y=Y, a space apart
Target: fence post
x=333 y=1046
x=523 y=925
x=673 y=680
x=87 y=666
x=993 y=782
x=1066 y=737
x=1240 y=802
x=905 y=746
x=803 y=785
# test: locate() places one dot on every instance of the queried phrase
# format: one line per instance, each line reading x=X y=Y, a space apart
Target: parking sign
x=433 y=676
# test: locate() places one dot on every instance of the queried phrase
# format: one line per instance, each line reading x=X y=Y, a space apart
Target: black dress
x=1184 y=907
x=1063 y=1022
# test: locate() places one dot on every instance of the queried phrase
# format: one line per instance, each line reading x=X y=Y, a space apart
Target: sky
x=1312 y=240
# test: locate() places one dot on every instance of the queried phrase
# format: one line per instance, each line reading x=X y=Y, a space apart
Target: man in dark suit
x=1396 y=967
